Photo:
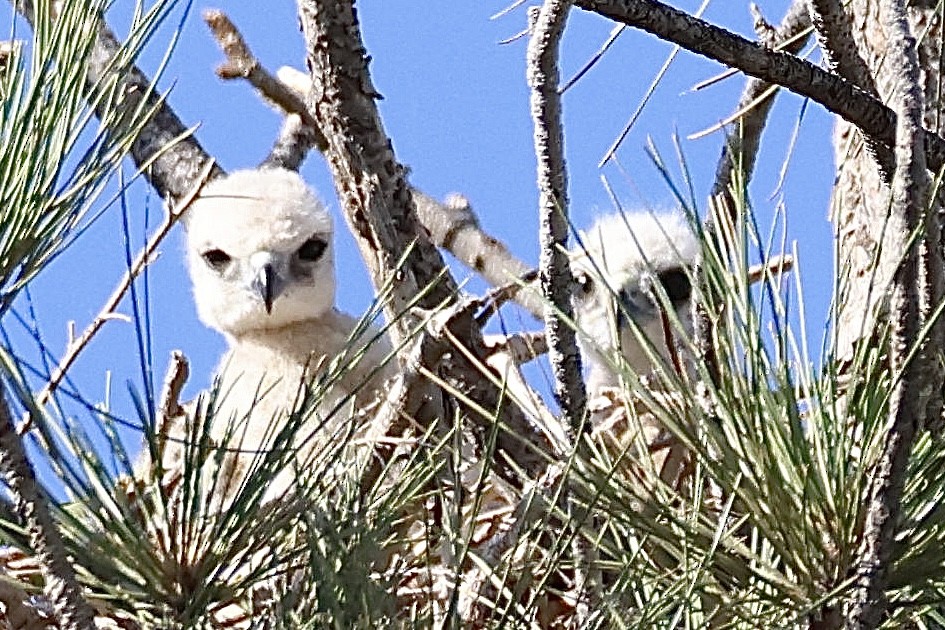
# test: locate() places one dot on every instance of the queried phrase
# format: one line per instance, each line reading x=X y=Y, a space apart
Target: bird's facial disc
x=607 y=304
x=268 y=288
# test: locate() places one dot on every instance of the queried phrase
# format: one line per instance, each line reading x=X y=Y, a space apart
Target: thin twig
x=241 y=63
x=169 y=409
x=911 y=389
x=520 y=348
x=60 y=584
x=741 y=148
x=144 y=258
x=454 y=226
x=554 y=269
x=775 y=266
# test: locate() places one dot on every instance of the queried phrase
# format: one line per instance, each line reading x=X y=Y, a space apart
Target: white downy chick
x=624 y=257
x=261 y=258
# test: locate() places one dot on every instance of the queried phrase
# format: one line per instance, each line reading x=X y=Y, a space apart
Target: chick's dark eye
x=585 y=284
x=676 y=283
x=312 y=249
x=216 y=258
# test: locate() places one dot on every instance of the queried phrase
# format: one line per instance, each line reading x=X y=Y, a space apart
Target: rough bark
x=555 y=268
x=835 y=36
x=860 y=199
x=379 y=207
x=907 y=404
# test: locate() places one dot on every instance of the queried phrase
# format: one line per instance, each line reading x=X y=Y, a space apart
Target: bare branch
x=378 y=205
x=371 y=184
x=292 y=146
x=169 y=409
x=555 y=268
x=741 y=147
x=241 y=63
x=144 y=258
x=737 y=162
x=454 y=226
x=60 y=584
x=802 y=77
x=911 y=389
x=521 y=348
x=833 y=27
x=554 y=272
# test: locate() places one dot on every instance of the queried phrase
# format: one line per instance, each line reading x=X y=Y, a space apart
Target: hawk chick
x=260 y=254
x=624 y=257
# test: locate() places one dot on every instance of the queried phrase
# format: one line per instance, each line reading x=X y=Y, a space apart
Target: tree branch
x=833 y=27
x=911 y=390
x=454 y=226
x=241 y=63
x=802 y=77
x=378 y=205
x=554 y=269
x=60 y=584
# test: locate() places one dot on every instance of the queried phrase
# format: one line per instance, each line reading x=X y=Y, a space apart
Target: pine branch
x=554 y=270
x=60 y=584
x=910 y=189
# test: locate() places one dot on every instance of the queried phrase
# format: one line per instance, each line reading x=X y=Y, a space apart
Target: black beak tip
x=265 y=284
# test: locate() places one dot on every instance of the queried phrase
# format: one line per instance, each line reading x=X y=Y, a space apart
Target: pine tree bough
x=61 y=586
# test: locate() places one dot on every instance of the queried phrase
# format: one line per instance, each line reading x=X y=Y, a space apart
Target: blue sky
x=456 y=108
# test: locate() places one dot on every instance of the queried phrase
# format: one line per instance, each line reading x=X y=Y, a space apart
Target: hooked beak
x=266 y=281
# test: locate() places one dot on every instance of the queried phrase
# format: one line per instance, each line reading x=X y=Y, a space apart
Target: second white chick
x=624 y=257
x=260 y=254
